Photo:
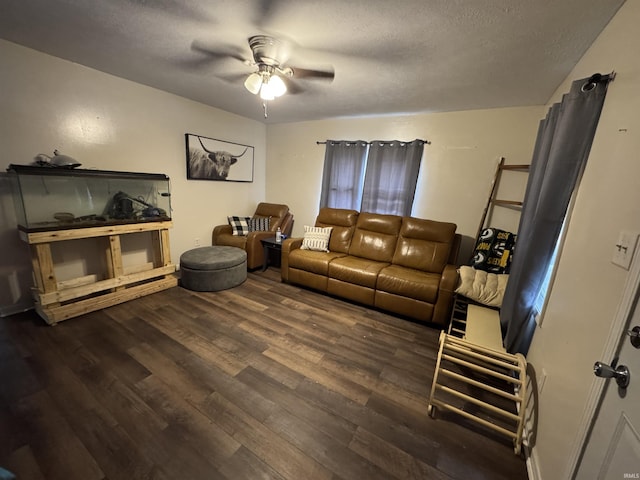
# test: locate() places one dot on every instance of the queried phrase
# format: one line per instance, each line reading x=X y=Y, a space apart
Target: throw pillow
x=316 y=238
x=494 y=251
x=483 y=287
x=259 y=224
x=239 y=225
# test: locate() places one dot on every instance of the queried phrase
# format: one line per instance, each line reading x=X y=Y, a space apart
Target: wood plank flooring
x=264 y=381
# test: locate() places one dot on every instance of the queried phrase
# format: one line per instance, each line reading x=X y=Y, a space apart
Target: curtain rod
x=381 y=142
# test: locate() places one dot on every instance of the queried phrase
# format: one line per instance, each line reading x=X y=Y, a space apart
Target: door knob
x=634 y=333
x=620 y=373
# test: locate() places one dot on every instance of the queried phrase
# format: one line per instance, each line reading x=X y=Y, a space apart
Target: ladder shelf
x=492 y=200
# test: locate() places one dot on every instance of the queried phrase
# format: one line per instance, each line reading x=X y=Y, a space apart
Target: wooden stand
x=56 y=301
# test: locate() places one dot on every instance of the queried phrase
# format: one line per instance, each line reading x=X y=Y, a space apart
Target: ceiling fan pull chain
x=264 y=106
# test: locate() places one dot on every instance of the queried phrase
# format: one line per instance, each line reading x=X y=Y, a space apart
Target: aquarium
x=51 y=198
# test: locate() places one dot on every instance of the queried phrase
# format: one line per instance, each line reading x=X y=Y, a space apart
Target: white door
x=613 y=448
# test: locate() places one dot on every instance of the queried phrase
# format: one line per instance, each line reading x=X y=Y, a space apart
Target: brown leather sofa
x=403 y=265
x=280 y=217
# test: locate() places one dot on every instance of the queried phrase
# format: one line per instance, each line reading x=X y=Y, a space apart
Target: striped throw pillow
x=239 y=225
x=316 y=238
x=259 y=224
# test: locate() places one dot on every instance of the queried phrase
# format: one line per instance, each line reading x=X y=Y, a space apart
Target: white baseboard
x=533 y=468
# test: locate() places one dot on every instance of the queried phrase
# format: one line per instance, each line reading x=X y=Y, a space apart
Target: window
x=380 y=177
x=541 y=299
x=344 y=164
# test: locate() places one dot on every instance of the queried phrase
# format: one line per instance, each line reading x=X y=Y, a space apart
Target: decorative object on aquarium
x=64 y=217
x=58 y=160
x=123 y=206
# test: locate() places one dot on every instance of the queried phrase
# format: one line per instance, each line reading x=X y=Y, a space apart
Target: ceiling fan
x=271 y=77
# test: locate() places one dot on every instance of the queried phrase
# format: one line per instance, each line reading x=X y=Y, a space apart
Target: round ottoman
x=210 y=269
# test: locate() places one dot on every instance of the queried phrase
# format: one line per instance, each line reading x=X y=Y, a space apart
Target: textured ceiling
x=388 y=57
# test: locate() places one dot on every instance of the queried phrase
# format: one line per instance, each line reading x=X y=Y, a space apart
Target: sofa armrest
x=449 y=281
x=254 y=248
x=288 y=245
x=220 y=229
x=253 y=239
x=448 y=284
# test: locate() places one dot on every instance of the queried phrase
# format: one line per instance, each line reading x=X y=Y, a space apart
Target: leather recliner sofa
x=403 y=265
x=280 y=216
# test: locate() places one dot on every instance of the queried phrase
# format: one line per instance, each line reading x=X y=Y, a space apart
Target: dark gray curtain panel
x=391 y=177
x=344 y=163
x=560 y=154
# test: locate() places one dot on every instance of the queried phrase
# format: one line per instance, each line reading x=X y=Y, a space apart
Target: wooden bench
x=476 y=378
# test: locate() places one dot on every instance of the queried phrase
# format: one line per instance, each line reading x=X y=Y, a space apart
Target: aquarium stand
x=56 y=301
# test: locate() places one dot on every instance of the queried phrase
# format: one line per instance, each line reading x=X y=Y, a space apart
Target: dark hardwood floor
x=264 y=381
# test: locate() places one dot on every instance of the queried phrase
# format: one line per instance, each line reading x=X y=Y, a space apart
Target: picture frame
x=213 y=159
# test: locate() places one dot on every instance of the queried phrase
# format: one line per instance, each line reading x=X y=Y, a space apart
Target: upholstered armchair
x=278 y=215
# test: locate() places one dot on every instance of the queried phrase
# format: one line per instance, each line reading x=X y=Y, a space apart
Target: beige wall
x=109 y=123
x=456 y=173
x=588 y=286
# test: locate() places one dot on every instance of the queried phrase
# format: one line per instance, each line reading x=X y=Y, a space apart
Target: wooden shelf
x=507 y=203
x=524 y=168
x=56 y=301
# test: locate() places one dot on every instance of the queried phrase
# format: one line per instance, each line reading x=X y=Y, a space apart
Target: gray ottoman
x=210 y=269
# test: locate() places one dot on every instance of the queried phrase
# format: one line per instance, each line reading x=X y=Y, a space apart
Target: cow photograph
x=211 y=159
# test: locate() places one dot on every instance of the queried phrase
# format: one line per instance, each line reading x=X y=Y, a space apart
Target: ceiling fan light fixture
x=277 y=86
x=253 y=83
x=266 y=92
x=266 y=83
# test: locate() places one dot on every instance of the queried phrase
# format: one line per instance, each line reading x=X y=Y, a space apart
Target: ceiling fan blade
x=265 y=12
x=177 y=8
x=310 y=74
x=227 y=51
x=233 y=77
x=292 y=87
x=195 y=64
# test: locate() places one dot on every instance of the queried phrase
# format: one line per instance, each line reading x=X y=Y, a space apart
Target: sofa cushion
x=316 y=238
x=343 y=222
x=356 y=270
x=409 y=282
x=424 y=244
x=240 y=225
x=312 y=261
x=375 y=237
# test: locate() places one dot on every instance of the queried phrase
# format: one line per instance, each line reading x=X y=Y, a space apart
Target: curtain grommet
x=592 y=82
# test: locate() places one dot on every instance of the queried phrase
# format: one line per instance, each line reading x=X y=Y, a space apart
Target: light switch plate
x=624 y=249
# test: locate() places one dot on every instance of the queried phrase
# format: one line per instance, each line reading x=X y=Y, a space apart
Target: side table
x=270 y=246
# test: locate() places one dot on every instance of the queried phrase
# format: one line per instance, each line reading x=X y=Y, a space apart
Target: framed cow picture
x=212 y=159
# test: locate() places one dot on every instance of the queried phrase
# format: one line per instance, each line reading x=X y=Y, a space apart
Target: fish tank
x=56 y=198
